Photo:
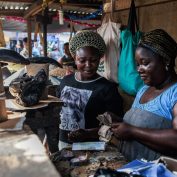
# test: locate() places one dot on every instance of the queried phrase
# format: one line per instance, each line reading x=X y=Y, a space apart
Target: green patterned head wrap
x=161 y=43
x=87 y=38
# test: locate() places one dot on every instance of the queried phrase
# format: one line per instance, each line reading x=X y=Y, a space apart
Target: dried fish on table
x=27 y=90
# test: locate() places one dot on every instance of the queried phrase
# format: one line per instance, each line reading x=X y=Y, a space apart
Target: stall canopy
x=14 y=13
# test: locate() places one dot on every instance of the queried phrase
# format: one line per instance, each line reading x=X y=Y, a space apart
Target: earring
x=166 y=67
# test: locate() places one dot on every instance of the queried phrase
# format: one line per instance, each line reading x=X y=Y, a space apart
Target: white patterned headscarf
x=87 y=38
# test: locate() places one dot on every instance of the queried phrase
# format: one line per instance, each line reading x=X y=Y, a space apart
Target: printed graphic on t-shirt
x=72 y=113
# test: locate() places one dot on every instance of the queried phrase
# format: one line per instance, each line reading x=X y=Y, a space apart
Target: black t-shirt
x=84 y=101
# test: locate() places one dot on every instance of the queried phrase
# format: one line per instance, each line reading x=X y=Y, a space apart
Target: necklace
x=78 y=78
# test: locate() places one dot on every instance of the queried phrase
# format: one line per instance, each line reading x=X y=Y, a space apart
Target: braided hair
x=162 y=44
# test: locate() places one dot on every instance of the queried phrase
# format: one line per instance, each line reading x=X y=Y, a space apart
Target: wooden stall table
x=42 y=119
x=14 y=122
x=110 y=158
x=22 y=154
x=13 y=106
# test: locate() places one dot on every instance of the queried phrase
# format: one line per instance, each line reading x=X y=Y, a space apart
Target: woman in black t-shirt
x=85 y=93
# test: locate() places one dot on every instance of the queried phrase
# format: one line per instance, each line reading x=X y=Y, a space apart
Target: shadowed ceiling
x=14 y=13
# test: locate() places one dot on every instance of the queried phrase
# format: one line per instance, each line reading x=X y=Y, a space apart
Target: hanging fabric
x=110 y=31
x=128 y=77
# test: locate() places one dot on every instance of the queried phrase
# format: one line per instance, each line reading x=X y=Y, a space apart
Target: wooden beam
x=45 y=33
x=93 y=6
x=125 y=4
x=2 y=39
x=18 y=1
x=35 y=8
x=29 y=29
x=13 y=12
x=3 y=113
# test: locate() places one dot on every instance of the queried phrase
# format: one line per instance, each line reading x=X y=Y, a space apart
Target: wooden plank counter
x=21 y=152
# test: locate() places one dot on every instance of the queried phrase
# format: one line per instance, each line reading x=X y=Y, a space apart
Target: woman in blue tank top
x=149 y=128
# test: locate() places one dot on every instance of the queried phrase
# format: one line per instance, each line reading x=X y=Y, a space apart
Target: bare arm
x=164 y=141
x=91 y=134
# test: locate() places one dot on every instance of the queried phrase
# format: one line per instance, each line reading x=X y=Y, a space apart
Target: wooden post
x=29 y=37
x=45 y=31
x=40 y=35
x=2 y=40
x=3 y=112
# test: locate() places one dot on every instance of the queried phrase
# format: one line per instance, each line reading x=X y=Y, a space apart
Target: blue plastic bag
x=146 y=169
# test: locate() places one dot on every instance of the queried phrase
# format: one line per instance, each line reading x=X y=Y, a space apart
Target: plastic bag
x=128 y=77
x=146 y=169
x=112 y=173
x=110 y=32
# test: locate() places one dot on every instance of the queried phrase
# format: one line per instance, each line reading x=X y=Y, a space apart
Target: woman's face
x=87 y=61
x=150 y=67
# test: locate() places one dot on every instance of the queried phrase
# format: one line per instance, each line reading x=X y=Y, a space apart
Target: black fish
x=41 y=60
x=10 y=56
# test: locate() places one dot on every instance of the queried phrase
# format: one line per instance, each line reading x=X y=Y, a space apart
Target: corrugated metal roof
x=20 y=7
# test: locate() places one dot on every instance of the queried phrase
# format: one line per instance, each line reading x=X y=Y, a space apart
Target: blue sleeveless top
x=162 y=105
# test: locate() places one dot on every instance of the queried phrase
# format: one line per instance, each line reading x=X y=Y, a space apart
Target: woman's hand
x=79 y=135
x=122 y=131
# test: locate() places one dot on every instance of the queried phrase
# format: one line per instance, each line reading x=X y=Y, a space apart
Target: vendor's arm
x=90 y=134
x=164 y=141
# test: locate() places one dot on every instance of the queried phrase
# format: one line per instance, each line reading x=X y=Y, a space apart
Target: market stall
x=43 y=17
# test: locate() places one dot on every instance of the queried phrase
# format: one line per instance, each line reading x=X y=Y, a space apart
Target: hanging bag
x=128 y=77
x=110 y=31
